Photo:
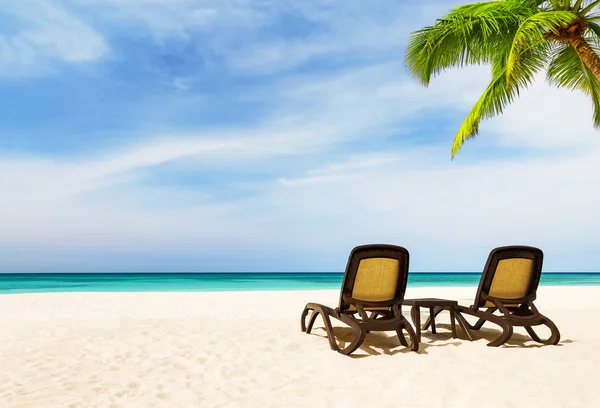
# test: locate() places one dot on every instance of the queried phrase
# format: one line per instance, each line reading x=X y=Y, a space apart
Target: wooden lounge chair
x=374 y=281
x=508 y=285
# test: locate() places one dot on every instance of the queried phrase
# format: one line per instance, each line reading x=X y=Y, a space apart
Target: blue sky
x=270 y=135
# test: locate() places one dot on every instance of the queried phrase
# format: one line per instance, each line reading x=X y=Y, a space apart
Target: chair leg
x=453 y=322
x=507 y=328
x=481 y=320
x=414 y=341
x=330 y=334
x=478 y=325
x=303 y=319
x=464 y=325
x=325 y=312
x=415 y=312
x=401 y=338
x=432 y=315
x=507 y=332
x=554 y=335
x=358 y=327
x=360 y=333
x=533 y=334
x=311 y=321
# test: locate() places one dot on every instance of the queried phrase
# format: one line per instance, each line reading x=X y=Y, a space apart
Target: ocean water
x=214 y=282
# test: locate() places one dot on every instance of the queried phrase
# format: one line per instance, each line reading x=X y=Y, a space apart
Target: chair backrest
x=375 y=274
x=511 y=272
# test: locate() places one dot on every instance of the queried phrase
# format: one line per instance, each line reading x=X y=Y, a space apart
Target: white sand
x=245 y=349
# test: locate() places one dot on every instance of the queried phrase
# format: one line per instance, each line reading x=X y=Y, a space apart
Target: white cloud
x=167 y=18
x=449 y=215
x=244 y=32
x=412 y=196
x=234 y=29
x=345 y=170
x=45 y=33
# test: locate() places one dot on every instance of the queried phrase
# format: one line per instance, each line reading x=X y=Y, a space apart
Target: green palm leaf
x=568 y=71
x=531 y=34
x=467 y=35
x=499 y=93
x=594 y=30
x=492 y=102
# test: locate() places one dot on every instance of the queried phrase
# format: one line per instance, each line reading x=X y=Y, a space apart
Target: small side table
x=435 y=306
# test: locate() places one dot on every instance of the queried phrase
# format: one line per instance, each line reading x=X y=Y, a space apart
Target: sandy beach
x=245 y=349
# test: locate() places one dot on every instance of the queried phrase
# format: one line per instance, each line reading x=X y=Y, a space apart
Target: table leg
x=416 y=318
x=432 y=317
x=452 y=322
x=464 y=325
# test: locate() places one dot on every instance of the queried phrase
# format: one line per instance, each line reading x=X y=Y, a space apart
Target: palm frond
x=594 y=28
x=577 y=5
x=559 y=4
x=567 y=70
x=492 y=102
x=499 y=93
x=531 y=34
x=588 y=8
x=467 y=35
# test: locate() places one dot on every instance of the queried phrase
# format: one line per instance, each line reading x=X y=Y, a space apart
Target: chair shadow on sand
x=377 y=343
x=517 y=340
x=489 y=333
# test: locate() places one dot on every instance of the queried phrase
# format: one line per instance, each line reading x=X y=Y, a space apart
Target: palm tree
x=518 y=38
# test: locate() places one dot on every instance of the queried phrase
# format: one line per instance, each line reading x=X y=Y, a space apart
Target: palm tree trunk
x=586 y=53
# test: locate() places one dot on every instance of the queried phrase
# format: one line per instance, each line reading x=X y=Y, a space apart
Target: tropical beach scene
x=309 y=203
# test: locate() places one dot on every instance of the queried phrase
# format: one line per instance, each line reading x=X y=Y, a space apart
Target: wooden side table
x=435 y=306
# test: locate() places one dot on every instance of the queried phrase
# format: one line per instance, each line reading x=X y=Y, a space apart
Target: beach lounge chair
x=508 y=285
x=374 y=281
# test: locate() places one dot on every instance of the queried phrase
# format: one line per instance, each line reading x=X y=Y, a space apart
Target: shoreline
x=414 y=291
x=242 y=282
x=269 y=290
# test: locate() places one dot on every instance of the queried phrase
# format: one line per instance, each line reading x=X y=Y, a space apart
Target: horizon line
x=257 y=273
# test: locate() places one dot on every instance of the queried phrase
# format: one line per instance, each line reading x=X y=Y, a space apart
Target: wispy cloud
x=43 y=33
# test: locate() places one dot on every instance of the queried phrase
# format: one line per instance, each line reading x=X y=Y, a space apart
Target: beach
x=245 y=349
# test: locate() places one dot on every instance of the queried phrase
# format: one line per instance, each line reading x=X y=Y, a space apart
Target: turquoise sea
x=209 y=282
